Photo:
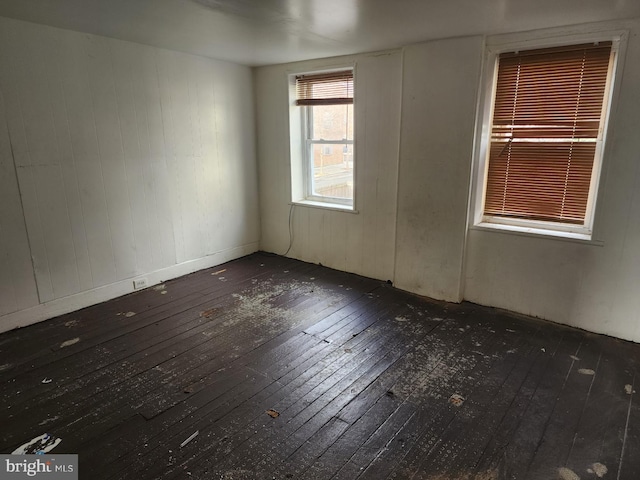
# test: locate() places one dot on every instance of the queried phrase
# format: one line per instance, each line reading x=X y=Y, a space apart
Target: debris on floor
x=219 y=272
x=126 y=314
x=47 y=380
x=273 y=413
x=456 y=400
x=629 y=389
x=586 y=371
x=39 y=445
x=189 y=438
x=208 y=313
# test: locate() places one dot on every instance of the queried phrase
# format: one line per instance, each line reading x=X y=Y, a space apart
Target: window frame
x=301 y=145
x=486 y=100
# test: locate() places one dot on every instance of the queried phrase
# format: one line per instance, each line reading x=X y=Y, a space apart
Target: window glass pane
x=332 y=170
x=331 y=122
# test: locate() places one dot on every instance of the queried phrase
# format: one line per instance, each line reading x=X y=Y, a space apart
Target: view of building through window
x=331 y=150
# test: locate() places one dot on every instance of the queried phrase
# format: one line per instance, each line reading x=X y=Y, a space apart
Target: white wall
x=118 y=160
x=592 y=286
x=362 y=242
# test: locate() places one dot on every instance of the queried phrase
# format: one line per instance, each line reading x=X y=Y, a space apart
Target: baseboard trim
x=60 y=306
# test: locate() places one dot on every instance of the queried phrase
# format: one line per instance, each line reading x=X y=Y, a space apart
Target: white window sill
x=537 y=232
x=326 y=205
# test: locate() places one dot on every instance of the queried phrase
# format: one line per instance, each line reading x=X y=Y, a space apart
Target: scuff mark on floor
x=49 y=420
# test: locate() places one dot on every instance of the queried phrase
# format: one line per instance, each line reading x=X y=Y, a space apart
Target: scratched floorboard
x=361 y=379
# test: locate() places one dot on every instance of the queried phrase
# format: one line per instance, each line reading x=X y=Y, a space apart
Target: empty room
x=320 y=239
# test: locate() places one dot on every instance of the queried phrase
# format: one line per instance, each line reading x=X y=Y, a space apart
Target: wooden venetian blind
x=334 y=88
x=546 y=126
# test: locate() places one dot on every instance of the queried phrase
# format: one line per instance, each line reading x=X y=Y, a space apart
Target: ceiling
x=262 y=32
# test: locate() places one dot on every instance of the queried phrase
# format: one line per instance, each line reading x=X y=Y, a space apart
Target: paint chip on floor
x=456 y=400
x=598 y=469
x=586 y=371
x=273 y=413
x=567 y=474
x=68 y=343
x=39 y=445
x=629 y=389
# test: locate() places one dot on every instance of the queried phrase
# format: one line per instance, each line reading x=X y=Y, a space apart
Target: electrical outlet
x=140 y=283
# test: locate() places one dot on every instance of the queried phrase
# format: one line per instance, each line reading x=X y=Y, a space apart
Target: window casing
x=543 y=138
x=324 y=109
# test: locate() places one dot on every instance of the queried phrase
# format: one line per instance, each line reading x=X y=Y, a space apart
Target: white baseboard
x=87 y=298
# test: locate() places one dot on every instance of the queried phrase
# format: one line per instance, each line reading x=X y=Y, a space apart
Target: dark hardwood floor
x=270 y=368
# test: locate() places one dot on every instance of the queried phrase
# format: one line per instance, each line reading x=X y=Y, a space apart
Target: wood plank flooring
x=270 y=368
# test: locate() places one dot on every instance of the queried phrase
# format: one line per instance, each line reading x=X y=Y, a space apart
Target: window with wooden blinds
x=547 y=126
x=334 y=88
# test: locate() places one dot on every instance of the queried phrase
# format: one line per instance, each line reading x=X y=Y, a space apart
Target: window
x=324 y=103
x=546 y=137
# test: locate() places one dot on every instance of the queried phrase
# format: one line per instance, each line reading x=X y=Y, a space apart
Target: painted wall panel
x=17 y=283
x=130 y=160
x=438 y=119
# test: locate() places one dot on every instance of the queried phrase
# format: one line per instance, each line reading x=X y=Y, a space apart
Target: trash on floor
x=39 y=445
